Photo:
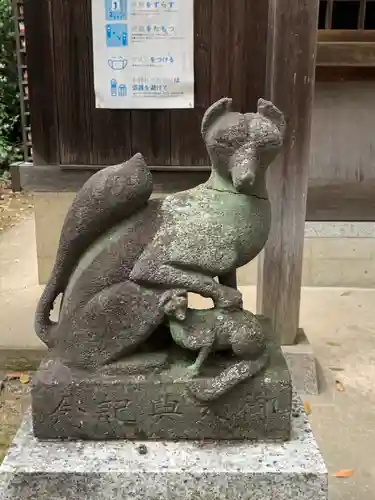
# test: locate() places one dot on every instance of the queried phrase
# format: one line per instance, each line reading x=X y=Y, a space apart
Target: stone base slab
x=302 y=365
x=164 y=470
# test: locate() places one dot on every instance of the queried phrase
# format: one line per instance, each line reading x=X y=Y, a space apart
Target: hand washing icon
x=118 y=90
x=116 y=35
x=117 y=63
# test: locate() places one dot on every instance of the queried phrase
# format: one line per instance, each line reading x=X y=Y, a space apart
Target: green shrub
x=10 y=123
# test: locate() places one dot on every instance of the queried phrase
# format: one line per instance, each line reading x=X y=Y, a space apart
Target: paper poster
x=143 y=53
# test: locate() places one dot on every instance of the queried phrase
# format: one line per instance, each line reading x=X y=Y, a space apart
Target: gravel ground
x=14 y=401
x=14 y=396
x=13 y=207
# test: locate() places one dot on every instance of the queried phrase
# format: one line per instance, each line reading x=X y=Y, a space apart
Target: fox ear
x=272 y=113
x=214 y=112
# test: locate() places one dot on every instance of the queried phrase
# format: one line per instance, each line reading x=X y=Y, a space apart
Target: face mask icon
x=117 y=63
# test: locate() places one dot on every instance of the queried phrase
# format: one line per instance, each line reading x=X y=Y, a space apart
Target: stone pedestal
x=148 y=396
x=118 y=470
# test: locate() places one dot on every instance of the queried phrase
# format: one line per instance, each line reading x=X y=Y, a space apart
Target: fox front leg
x=170 y=276
x=196 y=368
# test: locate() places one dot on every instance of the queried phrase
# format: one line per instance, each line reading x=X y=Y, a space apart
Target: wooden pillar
x=290 y=85
x=42 y=81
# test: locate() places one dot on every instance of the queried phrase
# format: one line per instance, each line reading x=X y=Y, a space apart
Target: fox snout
x=243 y=170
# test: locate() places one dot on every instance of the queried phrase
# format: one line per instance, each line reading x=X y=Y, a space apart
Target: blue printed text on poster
x=117 y=35
x=116 y=10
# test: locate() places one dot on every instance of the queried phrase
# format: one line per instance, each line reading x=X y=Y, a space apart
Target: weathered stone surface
x=154 y=398
x=239 y=333
x=107 y=198
x=125 y=266
x=180 y=244
x=103 y=314
x=302 y=364
x=163 y=470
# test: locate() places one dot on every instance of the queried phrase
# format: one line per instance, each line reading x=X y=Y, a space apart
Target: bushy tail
x=43 y=325
x=107 y=198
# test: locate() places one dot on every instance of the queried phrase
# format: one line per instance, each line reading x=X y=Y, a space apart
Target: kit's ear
x=214 y=112
x=272 y=113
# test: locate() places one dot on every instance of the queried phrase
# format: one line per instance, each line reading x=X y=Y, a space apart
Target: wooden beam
x=344 y=73
x=346 y=36
x=343 y=201
x=346 y=48
x=293 y=33
x=54 y=178
x=359 y=54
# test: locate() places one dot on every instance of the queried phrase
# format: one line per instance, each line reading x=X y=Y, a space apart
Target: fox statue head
x=242 y=145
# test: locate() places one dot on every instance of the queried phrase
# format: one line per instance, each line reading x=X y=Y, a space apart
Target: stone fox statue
x=125 y=262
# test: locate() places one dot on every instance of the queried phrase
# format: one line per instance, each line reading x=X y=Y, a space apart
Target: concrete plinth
x=302 y=365
x=164 y=470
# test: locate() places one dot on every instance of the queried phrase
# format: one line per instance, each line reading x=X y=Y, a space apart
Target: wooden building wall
x=343 y=122
x=230 y=59
x=343 y=140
